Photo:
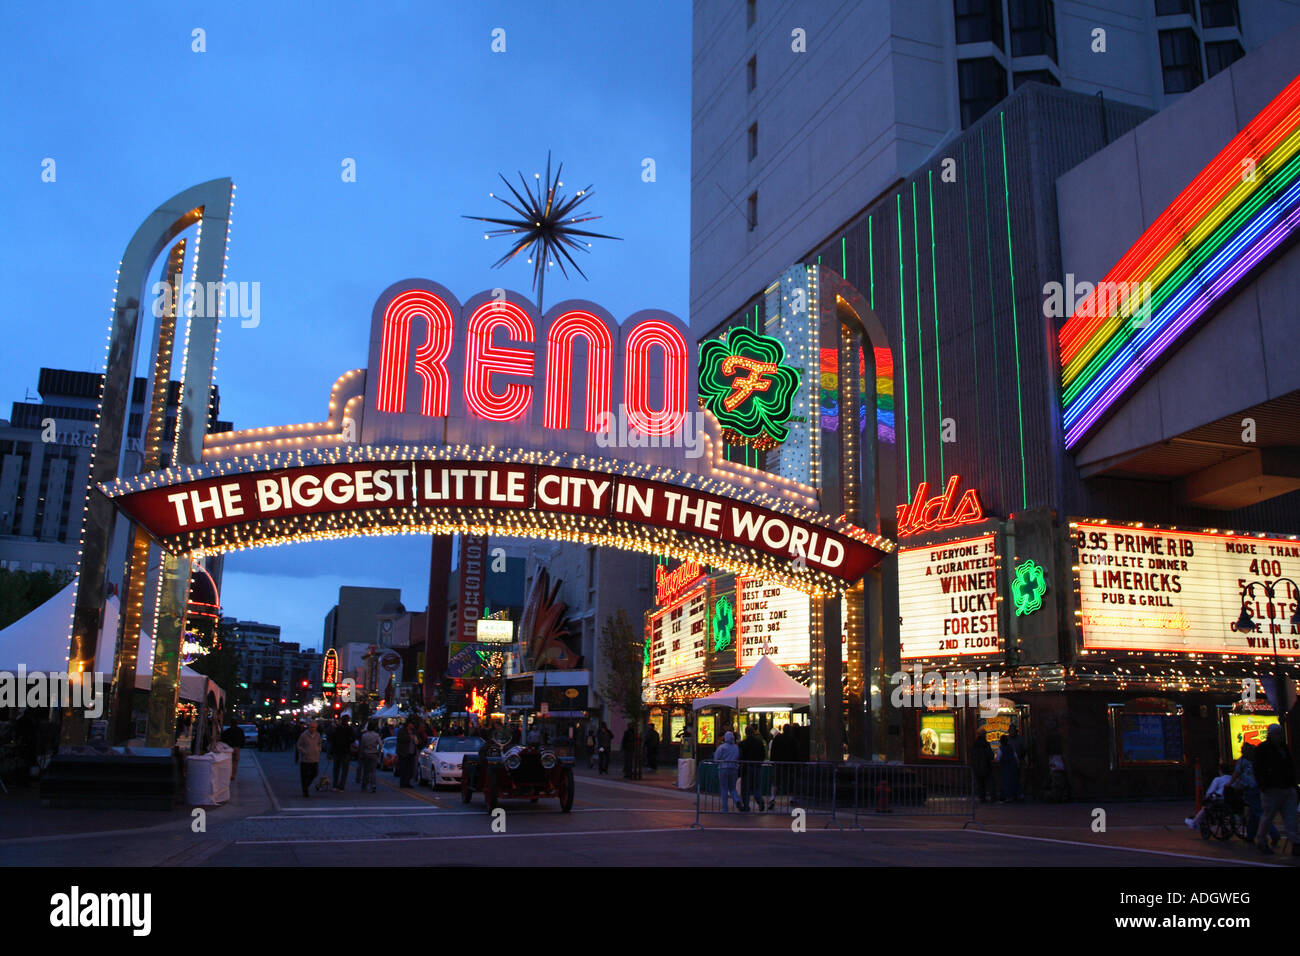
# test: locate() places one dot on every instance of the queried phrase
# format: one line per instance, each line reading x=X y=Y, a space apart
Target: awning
x=764 y=685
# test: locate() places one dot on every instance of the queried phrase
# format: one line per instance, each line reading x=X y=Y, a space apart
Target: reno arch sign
x=491 y=372
x=482 y=418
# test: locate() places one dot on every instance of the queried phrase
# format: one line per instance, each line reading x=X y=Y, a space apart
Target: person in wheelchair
x=1214 y=799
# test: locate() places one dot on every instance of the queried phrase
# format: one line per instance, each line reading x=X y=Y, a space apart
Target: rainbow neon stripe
x=830 y=402
x=1242 y=206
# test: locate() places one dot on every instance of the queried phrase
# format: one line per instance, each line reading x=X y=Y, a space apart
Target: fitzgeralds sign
x=941 y=512
x=746 y=384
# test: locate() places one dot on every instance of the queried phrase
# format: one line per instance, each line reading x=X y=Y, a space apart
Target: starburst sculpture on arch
x=547 y=228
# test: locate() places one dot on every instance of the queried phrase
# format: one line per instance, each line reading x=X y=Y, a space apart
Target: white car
x=251 y=734
x=439 y=763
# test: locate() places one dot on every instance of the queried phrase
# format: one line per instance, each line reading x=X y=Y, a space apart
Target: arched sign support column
x=208 y=203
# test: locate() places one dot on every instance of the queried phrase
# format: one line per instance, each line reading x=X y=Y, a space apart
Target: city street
x=614 y=822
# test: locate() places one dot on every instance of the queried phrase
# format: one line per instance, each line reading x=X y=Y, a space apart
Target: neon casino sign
x=746 y=384
x=940 y=512
x=506 y=359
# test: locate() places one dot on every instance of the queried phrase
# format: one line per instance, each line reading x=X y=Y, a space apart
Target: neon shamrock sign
x=748 y=388
x=1028 y=588
x=724 y=624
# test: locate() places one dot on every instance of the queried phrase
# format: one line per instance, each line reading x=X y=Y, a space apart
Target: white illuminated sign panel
x=947 y=598
x=1143 y=589
x=678 y=637
x=781 y=618
x=495 y=632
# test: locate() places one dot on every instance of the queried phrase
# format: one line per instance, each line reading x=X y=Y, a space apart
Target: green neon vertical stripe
x=934 y=286
x=993 y=309
x=902 y=324
x=970 y=285
x=1015 y=324
x=920 y=354
x=871 y=261
x=844 y=259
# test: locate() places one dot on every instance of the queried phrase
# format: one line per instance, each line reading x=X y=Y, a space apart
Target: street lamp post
x=1247 y=624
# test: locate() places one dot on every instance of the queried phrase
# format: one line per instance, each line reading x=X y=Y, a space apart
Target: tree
x=22 y=592
x=623 y=652
x=222 y=665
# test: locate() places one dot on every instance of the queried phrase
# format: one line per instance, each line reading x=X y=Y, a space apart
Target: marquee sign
x=330 y=669
x=947 y=599
x=940 y=512
x=678 y=638
x=225 y=510
x=1148 y=589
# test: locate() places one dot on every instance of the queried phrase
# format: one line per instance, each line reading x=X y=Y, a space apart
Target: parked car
x=439 y=764
x=503 y=771
x=388 y=753
x=250 y=734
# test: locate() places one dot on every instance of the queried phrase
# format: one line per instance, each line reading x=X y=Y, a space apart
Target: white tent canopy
x=764 y=685
x=39 y=642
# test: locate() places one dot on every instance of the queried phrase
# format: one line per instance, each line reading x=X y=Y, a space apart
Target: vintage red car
x=505 y=772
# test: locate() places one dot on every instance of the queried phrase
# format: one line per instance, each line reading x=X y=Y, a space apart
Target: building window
x=1174 y=8
x=751 y=211
x=753 y=140
x=1180 y=59
x=1220 y=56
x=751 y=74
x=1033 y=28
x=978 y=21
x=982 y=84
x=1220 y=13
x=751 y=12
x=1046 y=77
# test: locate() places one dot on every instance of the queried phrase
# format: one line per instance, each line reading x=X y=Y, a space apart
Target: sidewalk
x=23 y=817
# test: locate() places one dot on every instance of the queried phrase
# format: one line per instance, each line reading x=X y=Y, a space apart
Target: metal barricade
x=926 y=790
x=867 y=790
x=767 y=788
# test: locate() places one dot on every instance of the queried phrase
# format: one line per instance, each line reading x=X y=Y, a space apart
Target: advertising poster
x=939 y=736
x=706 y=725
x=1247 y=729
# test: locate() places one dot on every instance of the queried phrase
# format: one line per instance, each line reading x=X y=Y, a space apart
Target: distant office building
x=354 y=618
x=273 y=669
x=45 y=451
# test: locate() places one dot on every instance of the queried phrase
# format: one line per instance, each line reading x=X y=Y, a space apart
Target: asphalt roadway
x=614 y=822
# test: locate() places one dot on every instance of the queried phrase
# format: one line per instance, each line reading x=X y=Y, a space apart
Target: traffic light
x=304 y=683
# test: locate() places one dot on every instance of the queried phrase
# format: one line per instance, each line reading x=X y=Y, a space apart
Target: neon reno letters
x=500 y=364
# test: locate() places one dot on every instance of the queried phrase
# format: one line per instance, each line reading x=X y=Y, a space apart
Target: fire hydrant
x=882 y=797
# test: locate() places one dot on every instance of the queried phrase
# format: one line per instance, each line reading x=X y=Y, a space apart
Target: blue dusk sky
x=282 y=95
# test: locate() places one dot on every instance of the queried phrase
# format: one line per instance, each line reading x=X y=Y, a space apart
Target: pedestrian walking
x=981 y=761
x=341 y=752
x=629 y=750
x=408 y=739
x=785 y=751
x=591 y=748
x=1275 y=773
x=368 y=751
x=308 y=751
x=1008 y=770
x=752 y=752
x=604 y=740
x=651 y=747
x=1243 y=778
x=233 y=737
x=727 y=758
